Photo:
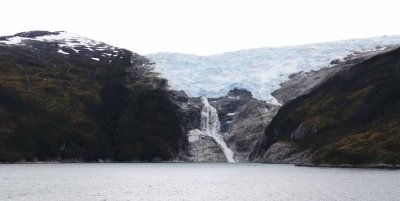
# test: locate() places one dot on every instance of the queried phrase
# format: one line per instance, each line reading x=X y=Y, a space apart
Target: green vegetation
x=54 y=108
x=353 y=118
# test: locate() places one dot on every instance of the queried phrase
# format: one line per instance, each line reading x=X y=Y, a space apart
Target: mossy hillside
x=70 y=107
x=352 y=118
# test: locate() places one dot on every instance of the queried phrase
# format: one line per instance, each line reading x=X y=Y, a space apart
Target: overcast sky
x=205 y=26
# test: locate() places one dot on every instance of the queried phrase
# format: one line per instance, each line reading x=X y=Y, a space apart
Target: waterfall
x=211 y=126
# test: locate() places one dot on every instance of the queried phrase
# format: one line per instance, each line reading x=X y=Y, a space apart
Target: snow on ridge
x=59 y=36
x=70 y=40
x=65 y=39
x=260 y=71
x=13 y=40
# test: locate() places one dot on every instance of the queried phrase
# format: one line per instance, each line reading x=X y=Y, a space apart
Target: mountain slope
x=261 y=71
x=66 y=98
x=352 y=118
x=303 y=82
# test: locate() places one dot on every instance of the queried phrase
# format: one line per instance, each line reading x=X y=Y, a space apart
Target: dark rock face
x=75 y=99
x=203 y=148
x=228 y=105
x=150 y=129
x=303 y=82
x=243 y=120
x=351 y=118
x=247 y=127
x=189 y=108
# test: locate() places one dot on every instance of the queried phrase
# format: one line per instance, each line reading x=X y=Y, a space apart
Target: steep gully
x=211 y=126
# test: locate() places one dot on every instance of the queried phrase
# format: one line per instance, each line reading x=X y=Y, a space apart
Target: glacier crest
x=260 y=71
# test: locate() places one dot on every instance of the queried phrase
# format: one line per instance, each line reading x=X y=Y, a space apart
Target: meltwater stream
x=211 y=126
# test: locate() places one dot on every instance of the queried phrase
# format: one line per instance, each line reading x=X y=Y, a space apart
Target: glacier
x=260 y=70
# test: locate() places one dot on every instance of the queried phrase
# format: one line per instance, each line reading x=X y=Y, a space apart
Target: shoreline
x=347 y=166
x=370 y=166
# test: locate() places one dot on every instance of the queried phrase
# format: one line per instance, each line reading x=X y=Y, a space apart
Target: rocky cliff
x=247 y=127
x=243 y=120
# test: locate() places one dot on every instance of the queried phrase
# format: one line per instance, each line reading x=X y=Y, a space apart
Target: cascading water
x=210 y=125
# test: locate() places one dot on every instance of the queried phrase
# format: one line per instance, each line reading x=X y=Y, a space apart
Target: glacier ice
x=260 y=71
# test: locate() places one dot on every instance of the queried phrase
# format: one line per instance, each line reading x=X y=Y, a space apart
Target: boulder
x=204 y=148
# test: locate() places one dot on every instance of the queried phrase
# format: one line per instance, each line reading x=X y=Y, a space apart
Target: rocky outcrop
x=228 y=105
x=247 y=127
x=284 y=152
x=189 y=109
x=277 y=153
x=243 y=120
x=303 y=82
x=204 y=148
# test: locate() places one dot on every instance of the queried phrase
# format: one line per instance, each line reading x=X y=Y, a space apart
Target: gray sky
x=204 y=26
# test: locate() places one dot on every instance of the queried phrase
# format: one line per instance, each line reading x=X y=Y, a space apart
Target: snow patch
x=62 y=52
x=95 y=59
x=13 y=40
